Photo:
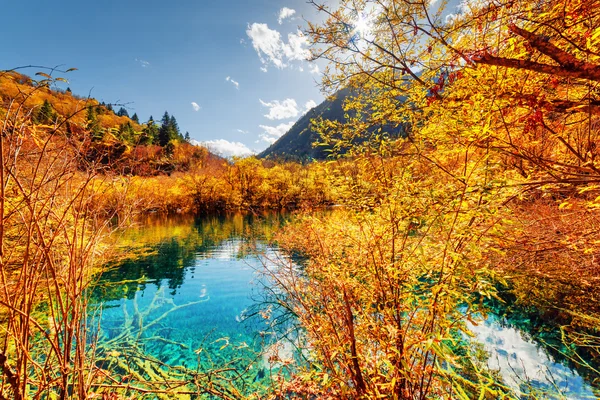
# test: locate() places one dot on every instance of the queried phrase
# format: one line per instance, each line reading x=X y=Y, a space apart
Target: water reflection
x=525 y=365
x=183 y=295
x=185 y=289
x=172 y=246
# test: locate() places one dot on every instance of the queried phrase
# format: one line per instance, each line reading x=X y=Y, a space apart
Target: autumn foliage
x=489 y=194
x=467 y=169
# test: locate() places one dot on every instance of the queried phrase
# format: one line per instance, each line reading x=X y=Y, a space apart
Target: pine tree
x=122 y=112
x=187 y=136
x=135 y=118
x=68 y=91
x=126 y=132
x=176 y=134
x=92 y=124
x=45 y=114
x=168 y=130
x=163 y=132
x=149 y=133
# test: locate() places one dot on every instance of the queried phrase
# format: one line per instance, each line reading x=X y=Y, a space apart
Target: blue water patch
x=205 y=312
x=190 y=299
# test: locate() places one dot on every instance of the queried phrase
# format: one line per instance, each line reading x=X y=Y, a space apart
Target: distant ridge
x=296 y=144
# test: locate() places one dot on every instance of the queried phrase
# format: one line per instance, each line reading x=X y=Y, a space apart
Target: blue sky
x=240 y=62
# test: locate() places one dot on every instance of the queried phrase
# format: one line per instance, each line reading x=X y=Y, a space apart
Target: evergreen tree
x=68 y=91
x=122 y=112
x=45 y=114
x=92 y=124
x=187 y=136
x=109 y=107
x=135 y=118
x=175 y=128
x=149 y=133
x=168 y=130
x=126 y=132
x=163 y=132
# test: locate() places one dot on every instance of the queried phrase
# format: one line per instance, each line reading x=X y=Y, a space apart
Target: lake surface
x=185 y=293
x=188 y=286
x=526 y=365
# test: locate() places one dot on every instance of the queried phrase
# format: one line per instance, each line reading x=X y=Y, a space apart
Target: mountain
x=296 y=144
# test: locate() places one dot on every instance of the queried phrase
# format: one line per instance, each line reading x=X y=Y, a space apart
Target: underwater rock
x=259 y=375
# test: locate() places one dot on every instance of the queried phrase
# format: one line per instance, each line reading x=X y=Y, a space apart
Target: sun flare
x=362 y=25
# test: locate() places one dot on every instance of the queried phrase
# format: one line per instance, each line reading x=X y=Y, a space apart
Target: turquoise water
x=185 y=296
x=186 y=299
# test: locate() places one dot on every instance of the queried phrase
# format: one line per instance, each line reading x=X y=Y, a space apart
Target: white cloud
x=236 y=84
x=143 y=63
x=295 y=50
x=272 y=133
x=243 y=132
x=285 y=13
x=271 y=49
x=266 y=42
x=227 y=149
x=281 y=110
x=468 y=6
x=314 y=69
x=196 y=106
x=267 y=138
x=309 y=106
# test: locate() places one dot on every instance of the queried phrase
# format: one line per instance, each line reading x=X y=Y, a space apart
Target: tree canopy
x=517 y=77
x=498 y=103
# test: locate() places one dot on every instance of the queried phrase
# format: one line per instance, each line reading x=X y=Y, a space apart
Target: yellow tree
x=454 y=115
x=529 y=70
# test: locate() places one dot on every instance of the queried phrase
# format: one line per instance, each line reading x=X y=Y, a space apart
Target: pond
x=184 y=291
x=185 y=288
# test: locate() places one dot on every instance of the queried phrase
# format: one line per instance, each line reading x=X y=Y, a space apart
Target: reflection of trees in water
x=174 y=354
x=174 y=244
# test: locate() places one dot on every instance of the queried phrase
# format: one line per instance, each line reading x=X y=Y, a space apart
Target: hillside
x=108 y=139
x=297 y=143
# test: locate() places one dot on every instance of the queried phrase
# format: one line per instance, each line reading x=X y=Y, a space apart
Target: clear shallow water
x=192 y=282
x=186 y=292
x=213 y=293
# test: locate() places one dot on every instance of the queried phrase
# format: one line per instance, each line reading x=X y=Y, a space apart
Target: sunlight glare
x=361 y=26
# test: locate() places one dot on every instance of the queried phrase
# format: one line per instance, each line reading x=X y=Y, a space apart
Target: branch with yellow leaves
x=568 y=65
